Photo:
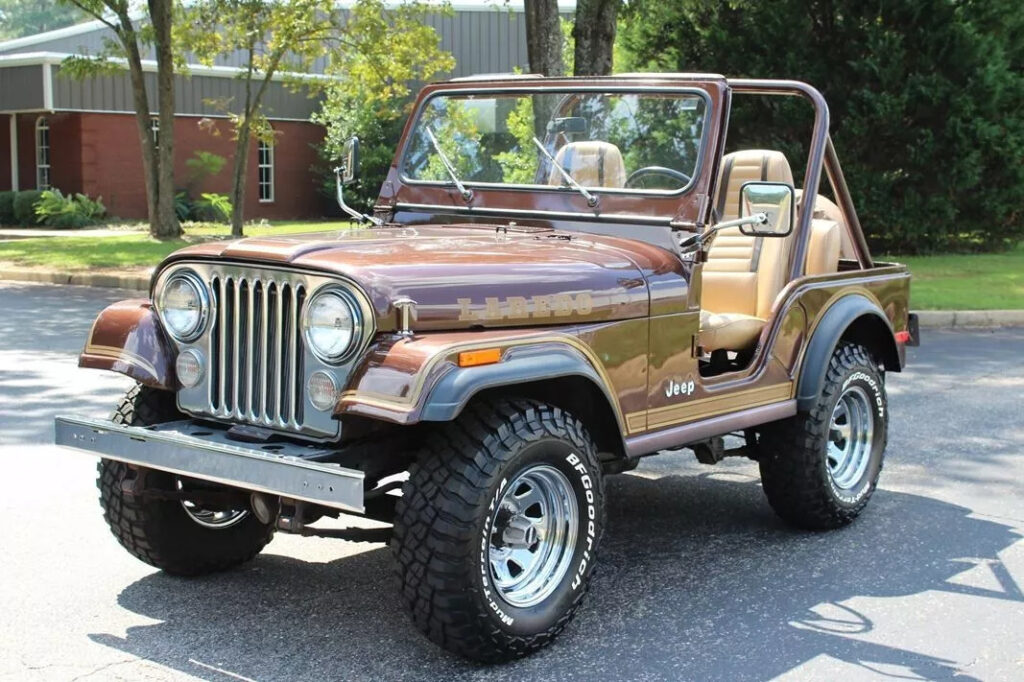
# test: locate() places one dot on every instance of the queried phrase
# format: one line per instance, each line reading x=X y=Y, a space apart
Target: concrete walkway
x=32 y=232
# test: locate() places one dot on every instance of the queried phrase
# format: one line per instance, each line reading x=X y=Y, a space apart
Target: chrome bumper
x=200 y=451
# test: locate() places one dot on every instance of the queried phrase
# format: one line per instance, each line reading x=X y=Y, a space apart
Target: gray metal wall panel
x=486 y=41
x=21 y=87
x=194 y=95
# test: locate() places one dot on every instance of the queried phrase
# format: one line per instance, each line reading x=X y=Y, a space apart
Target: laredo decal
x=521 y=307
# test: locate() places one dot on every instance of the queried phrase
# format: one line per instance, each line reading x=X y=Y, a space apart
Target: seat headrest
x=592 y=163
x=748 y=165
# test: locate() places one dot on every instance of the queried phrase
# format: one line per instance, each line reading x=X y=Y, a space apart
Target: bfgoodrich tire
x=168 y=534
x=819 y=469
x=497 y=529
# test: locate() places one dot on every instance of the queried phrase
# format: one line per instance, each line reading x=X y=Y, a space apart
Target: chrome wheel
x=533 y=535
x=212 y=518
x=850 y=438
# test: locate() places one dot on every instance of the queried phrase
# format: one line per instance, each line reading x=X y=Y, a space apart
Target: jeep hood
x=470 y=276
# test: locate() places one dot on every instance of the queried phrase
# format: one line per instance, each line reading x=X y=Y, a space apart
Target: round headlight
x=331 y=325
x=184 y=306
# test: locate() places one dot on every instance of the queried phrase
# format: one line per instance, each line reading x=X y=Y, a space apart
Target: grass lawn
x=954 y=282
x=986 y=281
x=133 y=248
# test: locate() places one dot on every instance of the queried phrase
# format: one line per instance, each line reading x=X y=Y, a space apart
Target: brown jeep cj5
x=560 y=276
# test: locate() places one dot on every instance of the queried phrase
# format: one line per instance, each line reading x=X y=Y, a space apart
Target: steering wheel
x=657 y=170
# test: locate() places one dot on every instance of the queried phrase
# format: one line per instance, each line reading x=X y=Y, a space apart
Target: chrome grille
x=256 y=349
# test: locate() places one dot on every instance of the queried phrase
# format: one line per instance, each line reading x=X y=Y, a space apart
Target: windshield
x=608 y=141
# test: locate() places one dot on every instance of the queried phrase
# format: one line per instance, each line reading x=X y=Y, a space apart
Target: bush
x=212 y=207
x=925 y=99
x=53 y=209
x=7 y=208
x=183 y=206
x=25 y=207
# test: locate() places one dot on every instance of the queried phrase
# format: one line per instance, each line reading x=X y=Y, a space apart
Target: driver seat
x=592 y=163
x=743 y=274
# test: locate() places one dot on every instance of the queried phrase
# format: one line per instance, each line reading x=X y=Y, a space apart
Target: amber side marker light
x=472 y=358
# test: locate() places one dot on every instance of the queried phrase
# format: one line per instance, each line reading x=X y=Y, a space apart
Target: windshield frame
x=566 y=90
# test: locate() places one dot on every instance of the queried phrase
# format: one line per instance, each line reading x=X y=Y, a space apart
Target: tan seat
x=743 y=275
x=591 y=163
x=826 y=209
x=823 y=248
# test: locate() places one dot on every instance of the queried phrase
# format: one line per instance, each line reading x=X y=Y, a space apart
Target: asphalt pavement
x=697 y=578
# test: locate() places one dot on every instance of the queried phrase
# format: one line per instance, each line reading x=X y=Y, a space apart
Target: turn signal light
x=902 y=337
x=472 y=358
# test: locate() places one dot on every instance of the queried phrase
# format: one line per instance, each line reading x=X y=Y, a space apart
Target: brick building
x=81 y=135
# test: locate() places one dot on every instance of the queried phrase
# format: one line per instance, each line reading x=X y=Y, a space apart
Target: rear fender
x=853 y=317
x=128 y=338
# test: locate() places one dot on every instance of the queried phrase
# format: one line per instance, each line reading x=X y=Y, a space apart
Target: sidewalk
x=135 y=280
x=34 y=232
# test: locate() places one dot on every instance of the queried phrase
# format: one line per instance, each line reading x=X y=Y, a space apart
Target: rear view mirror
x=350 y=161
x=569 y=124
x=776 y=200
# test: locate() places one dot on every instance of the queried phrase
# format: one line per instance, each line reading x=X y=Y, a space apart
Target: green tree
x=19 y=18
x=385 y=51
x=925 y=99
x=374 y=49
x=134 y=35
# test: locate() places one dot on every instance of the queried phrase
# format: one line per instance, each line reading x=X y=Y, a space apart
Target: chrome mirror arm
x=339 y=188
x=698 y=240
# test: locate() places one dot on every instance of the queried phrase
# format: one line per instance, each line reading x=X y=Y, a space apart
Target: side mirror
x=776 y=200
x=350 y=161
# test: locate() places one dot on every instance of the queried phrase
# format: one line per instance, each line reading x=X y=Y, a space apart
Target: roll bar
x=821 y=154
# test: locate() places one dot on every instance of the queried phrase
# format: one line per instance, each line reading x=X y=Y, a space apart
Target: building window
x=42 y=153
x=154 y=130
x=266 y=171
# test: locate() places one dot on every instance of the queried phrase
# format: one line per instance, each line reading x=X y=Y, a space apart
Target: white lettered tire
x=820 y=468
x=497 y=530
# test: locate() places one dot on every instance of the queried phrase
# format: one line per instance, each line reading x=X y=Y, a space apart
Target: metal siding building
x=483 y=37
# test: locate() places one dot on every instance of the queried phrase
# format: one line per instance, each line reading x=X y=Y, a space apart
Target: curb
x=928 y=319
x=131 y=282
x=968 y=319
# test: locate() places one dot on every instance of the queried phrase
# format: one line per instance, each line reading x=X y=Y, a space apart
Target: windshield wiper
x=591 y=199
x=467 y=194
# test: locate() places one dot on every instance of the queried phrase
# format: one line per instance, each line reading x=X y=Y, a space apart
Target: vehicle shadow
x=697 y=580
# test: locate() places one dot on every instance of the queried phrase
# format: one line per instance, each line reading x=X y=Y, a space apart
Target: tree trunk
x=544 y=52
x=149 y=161
x=238 y=177
x=544 y=38
x=160 y=12
x=594 y=33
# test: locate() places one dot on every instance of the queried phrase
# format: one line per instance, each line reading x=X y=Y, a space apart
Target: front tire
x=819 y=469
x=178 y=537
x=497 y=529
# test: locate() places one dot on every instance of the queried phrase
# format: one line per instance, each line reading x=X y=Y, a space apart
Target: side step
x=202 y=451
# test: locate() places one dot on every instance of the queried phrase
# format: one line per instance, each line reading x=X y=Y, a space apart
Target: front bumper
x=202 y=451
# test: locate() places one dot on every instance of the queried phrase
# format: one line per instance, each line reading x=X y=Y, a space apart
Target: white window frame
x=265 y=190
x=43 y=168
x=154 y=131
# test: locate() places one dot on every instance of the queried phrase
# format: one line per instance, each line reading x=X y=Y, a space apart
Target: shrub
x=25 y=207
x=7 y=208
x=183 y=206
x=212 y=207
x=53 y=209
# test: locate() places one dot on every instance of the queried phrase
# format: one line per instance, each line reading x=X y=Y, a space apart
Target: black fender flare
x=519 y=365
x=837 y=319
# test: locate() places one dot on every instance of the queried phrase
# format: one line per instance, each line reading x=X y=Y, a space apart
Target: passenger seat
x=743 y=275
x=591 y=163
